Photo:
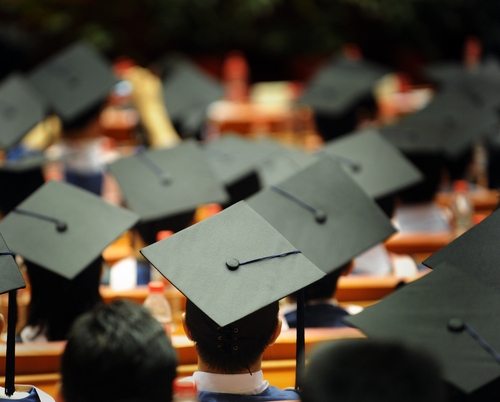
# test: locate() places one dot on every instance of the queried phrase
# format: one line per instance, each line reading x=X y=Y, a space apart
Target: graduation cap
x=282 y=164
x=163 y=183
x=236 y=264
x=64 y=228
x=340 y=84
x=235 y=160
x=481 y=84
x=74 y=81
x=451 y=311
x=11 y=279
x=373 y=162
x=21 y=108
x=449 y=125
x=187 y=92
x=323 y=212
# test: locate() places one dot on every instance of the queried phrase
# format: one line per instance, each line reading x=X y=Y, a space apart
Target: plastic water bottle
x=158 y=305
x=461 y=208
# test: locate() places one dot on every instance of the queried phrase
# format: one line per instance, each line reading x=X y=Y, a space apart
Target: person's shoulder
x=271 y=393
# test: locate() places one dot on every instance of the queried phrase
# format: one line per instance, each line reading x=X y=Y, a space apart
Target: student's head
x=325 y=287
x=118 y=352
x=360 y=370
x=237 y=347
x=56 y=301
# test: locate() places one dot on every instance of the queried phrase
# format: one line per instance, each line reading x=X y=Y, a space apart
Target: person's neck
x=202 y=366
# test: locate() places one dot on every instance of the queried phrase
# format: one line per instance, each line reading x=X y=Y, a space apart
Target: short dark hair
x=237 y=346
x=375 y=371
x=118 y=352
x=56 y=301
x=324 y=288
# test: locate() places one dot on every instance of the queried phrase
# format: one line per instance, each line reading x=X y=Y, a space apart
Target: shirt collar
x=245 y=384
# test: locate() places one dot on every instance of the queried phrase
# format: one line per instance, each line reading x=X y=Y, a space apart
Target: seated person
x=418 y=211
x=117 y=352
x=322 y=309
x=224 y=361
x=366 y=370
x=57 y=301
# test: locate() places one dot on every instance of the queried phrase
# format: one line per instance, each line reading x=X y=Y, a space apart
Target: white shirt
x=243 y=384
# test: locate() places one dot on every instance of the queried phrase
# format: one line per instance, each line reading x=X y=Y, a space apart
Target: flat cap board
x=323 y=212
x=195 y=261
x=373 y=162
x=21 y=108
x=163 y=183
x=64 y=228
x=74 y=80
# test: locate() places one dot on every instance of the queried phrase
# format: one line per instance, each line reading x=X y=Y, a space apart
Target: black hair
x=235 y=347
x=118 y=352
x=358 y=370
x=431 y=166
x=83 y=119
x=57 y=301
x=323 y=288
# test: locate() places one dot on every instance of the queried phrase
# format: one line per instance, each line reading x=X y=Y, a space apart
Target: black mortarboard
x=64 y=228
x=235 y=161
x=282 y=164
x=373 y=162
x=450 y=124
x=481 y=83
x=323 y=212
x=203 y=271
x=11 y=279
x=340 y=84
x=74 y=81
x=187 y=92
x=451 y=311
x=21 y=108
x=163 y=183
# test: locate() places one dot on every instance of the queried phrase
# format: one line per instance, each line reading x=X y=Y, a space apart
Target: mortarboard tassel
x=300 y=357
x=61 y=226
x=319 y=214
x=353 y=165
x=10 y=360
x=164 y=177
x=457 y=325
x=233 y=263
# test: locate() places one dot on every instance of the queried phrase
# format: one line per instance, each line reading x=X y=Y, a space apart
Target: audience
x=118 y=352
x=359 y=370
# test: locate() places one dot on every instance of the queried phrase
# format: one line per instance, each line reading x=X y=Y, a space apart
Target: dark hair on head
x=84 y=118
x=323 y=288
x=118 y=352
x=373 y=371
x=57 y=301
x=431 y=166
x=234 y=348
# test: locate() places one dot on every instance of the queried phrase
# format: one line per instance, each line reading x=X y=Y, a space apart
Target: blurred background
x=282 y=39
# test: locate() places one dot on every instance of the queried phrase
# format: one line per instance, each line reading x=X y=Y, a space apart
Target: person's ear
x=186 y=329
x=276 y=333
